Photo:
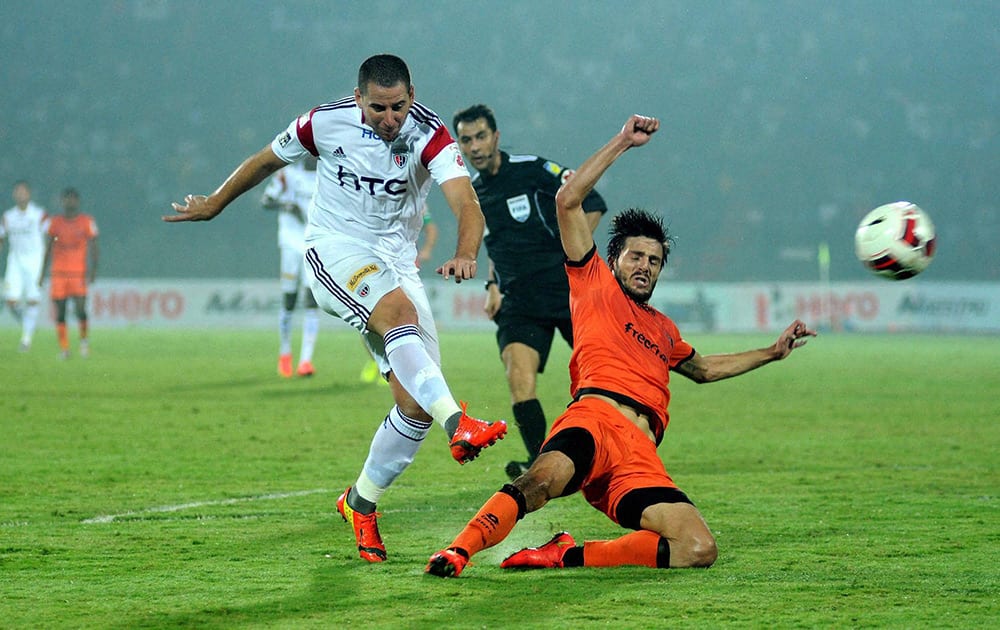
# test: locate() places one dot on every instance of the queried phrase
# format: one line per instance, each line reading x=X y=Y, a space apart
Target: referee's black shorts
x=534 y=332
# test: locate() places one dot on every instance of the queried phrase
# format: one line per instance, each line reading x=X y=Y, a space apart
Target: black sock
x=573 y=557
x=451 y=424
x=358 y=503
x=663 y=554
x=530 y=420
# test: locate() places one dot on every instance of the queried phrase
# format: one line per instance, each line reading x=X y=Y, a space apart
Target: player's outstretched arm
x=251 y=172
x=464 y=203
x=46 y=260
x=574 y=227
x=715 y=367
x=94 y=255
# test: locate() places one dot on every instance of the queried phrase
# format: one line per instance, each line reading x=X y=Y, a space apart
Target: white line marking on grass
x=110 y=518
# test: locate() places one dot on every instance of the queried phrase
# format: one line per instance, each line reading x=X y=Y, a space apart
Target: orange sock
x=490 y=525
x=638 y=548
x=61 y=333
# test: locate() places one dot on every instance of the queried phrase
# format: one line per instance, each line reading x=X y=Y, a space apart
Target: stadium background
x=784 y=121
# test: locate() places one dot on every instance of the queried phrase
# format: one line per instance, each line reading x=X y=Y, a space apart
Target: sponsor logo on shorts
x=359 y=275
x=364 y=290
x=646 y=342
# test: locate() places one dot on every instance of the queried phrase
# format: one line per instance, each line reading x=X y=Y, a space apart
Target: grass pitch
x=173 y=479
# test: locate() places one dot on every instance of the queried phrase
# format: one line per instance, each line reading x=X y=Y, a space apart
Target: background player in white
x=290 y=192
x=379 y=152
x=22 y=230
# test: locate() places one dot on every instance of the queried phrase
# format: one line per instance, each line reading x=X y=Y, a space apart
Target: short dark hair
x=384 y=70
x=637 y=222
x=472 y=114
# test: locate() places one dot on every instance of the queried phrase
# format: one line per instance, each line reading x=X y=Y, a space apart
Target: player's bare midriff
x=637 y=418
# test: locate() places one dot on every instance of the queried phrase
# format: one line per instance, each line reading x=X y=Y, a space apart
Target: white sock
x=28 y=322
x=285 y=331
x=310 y=328
x=392 y=450
x=17 y=312
x=418 y=374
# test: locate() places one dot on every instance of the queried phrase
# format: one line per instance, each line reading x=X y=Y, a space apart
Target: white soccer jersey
x=292 y=185
x=367 y=188
x=25 y=233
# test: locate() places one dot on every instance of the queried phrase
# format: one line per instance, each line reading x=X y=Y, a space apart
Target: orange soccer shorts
x=66 y=286
x=624 y=458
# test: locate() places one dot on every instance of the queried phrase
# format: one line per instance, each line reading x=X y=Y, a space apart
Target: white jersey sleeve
x=287 y=146
x=445 y=161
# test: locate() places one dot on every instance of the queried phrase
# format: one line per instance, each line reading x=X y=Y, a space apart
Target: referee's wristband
x=488 y=283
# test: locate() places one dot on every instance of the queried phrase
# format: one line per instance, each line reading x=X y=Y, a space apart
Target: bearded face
x=638 y=267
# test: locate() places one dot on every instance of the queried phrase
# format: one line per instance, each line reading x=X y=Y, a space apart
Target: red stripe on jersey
x=304 y=130
x=438 y=142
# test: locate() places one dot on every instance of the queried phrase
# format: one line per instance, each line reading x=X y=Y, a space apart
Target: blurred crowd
x=786 y=121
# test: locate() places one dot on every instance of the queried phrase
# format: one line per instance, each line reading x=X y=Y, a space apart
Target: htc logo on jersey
x=646 y=342
x=372 y=185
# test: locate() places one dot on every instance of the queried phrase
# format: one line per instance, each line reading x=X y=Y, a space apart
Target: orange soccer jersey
x=620 y=346
x=70 y=239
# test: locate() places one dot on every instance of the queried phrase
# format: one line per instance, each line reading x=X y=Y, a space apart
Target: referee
x=527 y=290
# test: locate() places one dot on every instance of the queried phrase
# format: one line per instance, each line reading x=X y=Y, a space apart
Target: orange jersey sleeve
x=70 y=240
x=619 y=345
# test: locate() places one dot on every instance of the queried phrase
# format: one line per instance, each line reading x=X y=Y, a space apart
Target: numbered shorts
x=63 y=286
x=292 y=263
x=624 y=458
x=348 y=278
x=20 y=282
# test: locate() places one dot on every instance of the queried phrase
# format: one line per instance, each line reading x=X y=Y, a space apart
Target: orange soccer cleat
x=370 y=546
x=548 y=556
x=305 y=369
x=446 y=563
x=473 y=435
x=285 y=366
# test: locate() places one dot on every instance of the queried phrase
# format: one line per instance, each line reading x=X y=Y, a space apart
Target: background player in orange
x=604 y=444
x=73 y=252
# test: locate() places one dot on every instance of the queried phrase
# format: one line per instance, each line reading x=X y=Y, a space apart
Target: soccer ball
x=895 y=241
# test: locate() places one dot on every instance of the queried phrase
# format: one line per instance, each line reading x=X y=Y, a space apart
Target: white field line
x=110 y=518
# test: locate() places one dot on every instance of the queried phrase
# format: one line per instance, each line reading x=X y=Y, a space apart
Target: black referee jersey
x=522 y=234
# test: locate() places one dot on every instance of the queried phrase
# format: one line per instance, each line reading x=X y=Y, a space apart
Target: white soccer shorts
x=348 y=278
x=291 y=269
x=20 y=283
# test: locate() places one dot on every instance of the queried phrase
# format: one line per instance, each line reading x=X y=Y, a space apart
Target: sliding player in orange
x=604 y=444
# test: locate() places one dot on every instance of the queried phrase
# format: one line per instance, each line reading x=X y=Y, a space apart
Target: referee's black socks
x=530 y=421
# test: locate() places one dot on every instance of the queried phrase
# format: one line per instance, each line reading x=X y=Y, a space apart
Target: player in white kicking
x=290 y=192
x=379 y=151
x=22 y=230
